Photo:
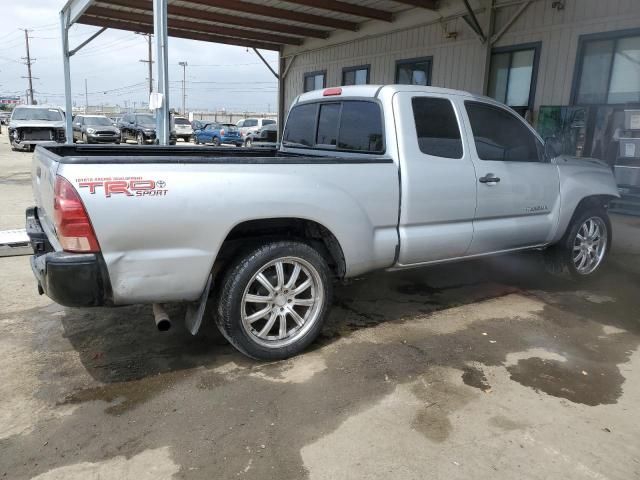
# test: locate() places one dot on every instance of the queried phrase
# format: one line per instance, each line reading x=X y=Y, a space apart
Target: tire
x=85 y=140
x=196 y=141
x=140 y=138
x=238 y=144
x=255 y=337
x=216 y=142
x=248 y=143
x=585 y=247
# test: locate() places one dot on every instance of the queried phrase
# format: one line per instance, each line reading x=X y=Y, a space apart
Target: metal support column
x=163 y=127
x=64 y=23
x=281 y=93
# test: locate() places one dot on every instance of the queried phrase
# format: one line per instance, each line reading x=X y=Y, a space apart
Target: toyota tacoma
x=366 y=178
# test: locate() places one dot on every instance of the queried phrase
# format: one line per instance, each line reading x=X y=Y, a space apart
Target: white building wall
x=460 y=62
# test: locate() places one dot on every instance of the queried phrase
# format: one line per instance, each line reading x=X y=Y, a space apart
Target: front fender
x=579 y=181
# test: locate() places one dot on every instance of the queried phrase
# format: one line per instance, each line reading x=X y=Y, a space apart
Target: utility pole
x=149 y=61
x=86 y=97
x=28 y=63
x=184 y=91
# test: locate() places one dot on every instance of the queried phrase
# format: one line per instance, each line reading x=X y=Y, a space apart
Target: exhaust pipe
x=163 y=322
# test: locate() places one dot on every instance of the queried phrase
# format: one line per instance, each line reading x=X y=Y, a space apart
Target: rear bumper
x=70 y=279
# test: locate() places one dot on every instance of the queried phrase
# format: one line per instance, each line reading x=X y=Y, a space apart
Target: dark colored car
x=218 y=134
x=267 y=136
x=95 y=129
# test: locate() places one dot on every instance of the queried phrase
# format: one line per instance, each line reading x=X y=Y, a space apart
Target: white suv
x=252 y=125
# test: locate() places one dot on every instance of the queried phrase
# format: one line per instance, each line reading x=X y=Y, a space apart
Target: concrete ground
x=488 y=369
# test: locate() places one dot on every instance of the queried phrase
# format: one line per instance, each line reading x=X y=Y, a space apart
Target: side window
x=361 y=127
x=328 y=124
x=499 y=135
x=240 y=124
x=437 y=127
x=300 y=129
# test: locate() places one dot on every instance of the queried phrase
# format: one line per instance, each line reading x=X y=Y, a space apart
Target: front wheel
x=274 y=299
x=216 y=142
x=140 y=138
x=248 y=143
x=586 y=244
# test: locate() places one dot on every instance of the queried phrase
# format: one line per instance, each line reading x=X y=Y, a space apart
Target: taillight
x=73 y=226
x=222 y=132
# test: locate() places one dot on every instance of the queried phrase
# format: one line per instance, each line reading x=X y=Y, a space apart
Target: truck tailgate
x=43 y=178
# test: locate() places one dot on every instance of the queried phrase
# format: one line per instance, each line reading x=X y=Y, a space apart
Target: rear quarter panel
x=162 y=248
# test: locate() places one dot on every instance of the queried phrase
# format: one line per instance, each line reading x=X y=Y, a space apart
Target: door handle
x=489 y=178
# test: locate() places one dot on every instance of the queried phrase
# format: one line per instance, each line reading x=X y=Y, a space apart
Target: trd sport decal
x=128 y=186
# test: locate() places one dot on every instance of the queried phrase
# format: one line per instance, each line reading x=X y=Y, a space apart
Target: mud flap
x=195 y=310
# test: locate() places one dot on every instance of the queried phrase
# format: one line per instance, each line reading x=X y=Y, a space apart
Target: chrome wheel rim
x=282 y=302
x=590 y=245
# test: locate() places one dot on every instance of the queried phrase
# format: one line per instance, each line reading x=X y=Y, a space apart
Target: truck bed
x=142 y=154
x=161 y=246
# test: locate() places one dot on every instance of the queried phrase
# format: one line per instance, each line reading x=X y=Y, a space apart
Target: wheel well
x=253 y=232
x=593 y=201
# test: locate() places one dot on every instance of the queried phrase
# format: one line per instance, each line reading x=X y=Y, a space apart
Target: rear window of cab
x=348 y=125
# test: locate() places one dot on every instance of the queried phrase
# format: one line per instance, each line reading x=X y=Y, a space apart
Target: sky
x=218 y=76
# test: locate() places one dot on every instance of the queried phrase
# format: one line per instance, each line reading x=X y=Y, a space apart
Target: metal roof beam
x=348 y=8
x=175 y=32
x=217 y=17
x=143 y=18
x=428 y=4
x=280 y=13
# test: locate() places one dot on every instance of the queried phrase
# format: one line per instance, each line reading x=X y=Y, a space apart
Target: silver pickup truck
x=366 y=178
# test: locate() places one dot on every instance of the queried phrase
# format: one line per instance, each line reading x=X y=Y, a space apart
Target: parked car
x=184 y=130
x=251 y=125
x=140 y=127
x=266 y=137
x=366 y=178
x=95 y=129
x=200 y=124
x=4 y=118
x=31 y=125
x=218 y=134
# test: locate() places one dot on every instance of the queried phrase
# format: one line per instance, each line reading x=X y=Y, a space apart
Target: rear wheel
x=216 y=142
x=248 y=143
x=274 y=299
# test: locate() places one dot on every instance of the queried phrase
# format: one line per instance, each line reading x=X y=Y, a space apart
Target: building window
x=512 y=76
x=355 y=75
x=315 y=81
x=415 y=71
x=608 y=69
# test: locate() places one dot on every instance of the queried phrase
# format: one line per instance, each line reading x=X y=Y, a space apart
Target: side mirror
x=552 y=147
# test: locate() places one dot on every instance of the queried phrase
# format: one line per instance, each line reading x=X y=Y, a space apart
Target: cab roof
x=373 y=91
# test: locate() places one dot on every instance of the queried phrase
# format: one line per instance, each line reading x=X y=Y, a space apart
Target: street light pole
x=184 y=82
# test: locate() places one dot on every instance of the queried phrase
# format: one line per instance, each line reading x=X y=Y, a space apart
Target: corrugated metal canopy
x=265 y=24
